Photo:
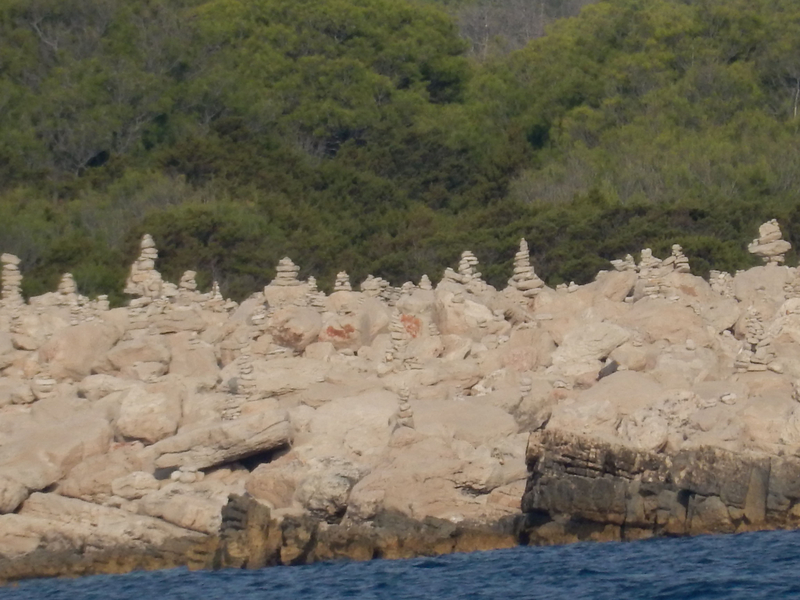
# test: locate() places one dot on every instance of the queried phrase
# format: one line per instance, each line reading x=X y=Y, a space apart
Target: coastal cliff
x=587 y=489
x=297 y=426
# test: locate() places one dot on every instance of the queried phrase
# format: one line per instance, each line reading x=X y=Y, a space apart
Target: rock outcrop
x=187 y=429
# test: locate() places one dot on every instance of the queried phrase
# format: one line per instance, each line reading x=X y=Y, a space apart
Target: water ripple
x=746 y=566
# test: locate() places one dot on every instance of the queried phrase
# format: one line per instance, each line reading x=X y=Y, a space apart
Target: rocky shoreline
x=188 y=430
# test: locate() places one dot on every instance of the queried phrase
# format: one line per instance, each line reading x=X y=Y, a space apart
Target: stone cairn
x=525 y=387
x=314 y=297
x=650 y=272
x=399 y=338
x=721 y=282
x=144 y=280
x=342 y=283
x=244 y=388
x=425 y=283
x=524 y=278
x=468 y=267
x=68 y=296
x=624 y=264
x=12 y=282
x=769 y=244
x=287 y=273
x=405 y=416
x=43 y=385
x=215 y=300
x=187 y=286
x=757 y=353
x=374 y=287
x=678 y=260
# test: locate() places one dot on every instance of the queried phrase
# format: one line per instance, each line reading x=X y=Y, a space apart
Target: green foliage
x=368 y=135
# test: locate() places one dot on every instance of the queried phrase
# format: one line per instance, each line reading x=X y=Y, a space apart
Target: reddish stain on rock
x=342 y=334
x=412 y=325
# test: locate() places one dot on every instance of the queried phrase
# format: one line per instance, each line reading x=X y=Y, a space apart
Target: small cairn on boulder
x=187 y=285
x=215 y=300
x=12 y=281
x=624 y=264
x=399 y=337
x=144 y=280
x=467 y=267
x=68 y=296
x=679 y=262
x=374 y=287
x=757 y=353
x=525 y=387
x=792 y=287
x=721 y=282
x=242 y=388
x=342 y=283
x=769 y=244
x=650 y=273
x=425 y=283
x=43 y=385
x=524 y=278
x=315 y=298
x=286 y=273
x=405 y=416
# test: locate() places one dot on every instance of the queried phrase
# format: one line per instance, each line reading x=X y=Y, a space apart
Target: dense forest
x=386 y=136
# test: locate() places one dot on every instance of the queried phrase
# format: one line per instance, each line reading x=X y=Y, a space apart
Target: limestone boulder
x=615 y=285
x=72 y=351
x=324 y=492
x=281 y=376
x=96 y=387
x=677 y=367
x=374 y=318
x=37 y=462
x=470 y=420
x=762 y=288
x=343 y=331
x=92 y=478
x=583 y=348
x=197 y=507
x=7 y=354
x=417 y=480
x=358 y=425
x=147 y=416
x=657 y=319
x=60 y=523
x=15 y=391
x=418 y=303
x=275 y=482
x=597 y=410
x=765 y=418
x=207 y=445
x=194 y=360
x=528 y=349
x=425 y=348
x=322 y=351
x=456 y=348
x=460 y=314
x=181 y=318
x=295 y=327
x=134 y=485
x=12 y=494
x=126 y=355
x=633 y=356
x=202 y=407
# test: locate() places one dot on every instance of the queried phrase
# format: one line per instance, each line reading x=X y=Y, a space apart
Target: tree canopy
x=385 y=136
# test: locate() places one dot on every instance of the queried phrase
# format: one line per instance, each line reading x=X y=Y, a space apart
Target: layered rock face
x=355 y=417
x=586 y=489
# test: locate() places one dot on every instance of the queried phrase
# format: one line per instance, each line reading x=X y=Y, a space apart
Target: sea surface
x=752 y=565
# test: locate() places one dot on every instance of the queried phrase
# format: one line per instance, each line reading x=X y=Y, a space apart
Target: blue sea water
x=752 y=565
